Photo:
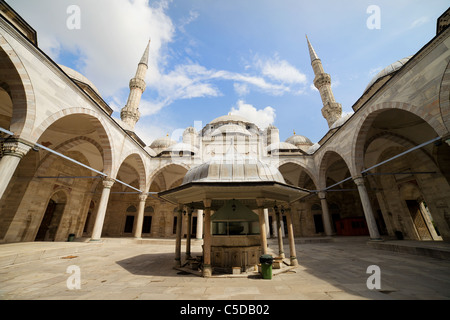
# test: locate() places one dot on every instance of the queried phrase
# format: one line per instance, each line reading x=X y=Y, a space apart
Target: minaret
x=130 y=113
x=331 y=111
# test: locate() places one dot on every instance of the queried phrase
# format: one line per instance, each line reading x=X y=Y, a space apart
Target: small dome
x=182 y=147
x=298 y=140
x=162 y=143
x=74 y=75
x=388 y=70
x=230 y=129
x=233 y=167
x=281 y=146
x=341 y=120
x=313 y=148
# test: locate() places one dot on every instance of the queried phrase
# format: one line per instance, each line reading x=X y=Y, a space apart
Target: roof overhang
x=268 y=193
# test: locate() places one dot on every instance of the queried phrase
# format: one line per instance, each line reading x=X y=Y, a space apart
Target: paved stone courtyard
x=122 y=269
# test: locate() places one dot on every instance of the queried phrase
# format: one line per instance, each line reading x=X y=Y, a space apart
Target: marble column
x=292 y=251
x=178 y=237
x=325 y=213
x=101 y=212
x=188 y=233
x=13 y=151
x=279 y=233
x=199 y=235
x=367 y=207
x=266 y=221
x=207 y=268
x=262 y=225
x=140 y=216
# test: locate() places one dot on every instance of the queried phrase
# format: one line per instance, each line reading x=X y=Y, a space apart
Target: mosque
x=68 y=168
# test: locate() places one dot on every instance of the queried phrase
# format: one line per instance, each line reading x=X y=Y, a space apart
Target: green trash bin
x=266 y=261
x=71 y=237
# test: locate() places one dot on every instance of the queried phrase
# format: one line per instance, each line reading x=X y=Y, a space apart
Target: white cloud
x=280 y=70
x=420 y=21
x=262 y=118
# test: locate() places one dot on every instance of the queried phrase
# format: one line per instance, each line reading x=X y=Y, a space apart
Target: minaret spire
x=331 y=111
x=130 y=113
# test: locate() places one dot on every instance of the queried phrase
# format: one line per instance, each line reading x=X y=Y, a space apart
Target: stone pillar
x=101 y=211
x=178 y=239
x=13 y=151
x=262 y=225
x=279 y=233
x=368 y=212
x=140 y=216
x=207 y=269
x=291 y=237
x=266 y=220
x=188 y=233
x=199 y=224
x=325 y=213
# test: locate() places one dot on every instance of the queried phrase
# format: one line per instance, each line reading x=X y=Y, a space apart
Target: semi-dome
x=388 y=70
x=233 y=167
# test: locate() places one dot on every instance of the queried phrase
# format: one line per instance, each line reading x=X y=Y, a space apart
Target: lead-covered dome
x=388 y=70
x=299 y=140
x=162 y=144
x=233 y=167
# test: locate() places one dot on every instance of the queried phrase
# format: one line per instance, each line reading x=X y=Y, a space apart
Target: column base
x=177 y=263
x=95 y=240
x=376 y=239
x=294 y=262
x=207 y=271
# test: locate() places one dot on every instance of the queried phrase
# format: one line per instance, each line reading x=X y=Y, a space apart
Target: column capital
x=143 y=197
x=260 y=202
x=16 y=148
x=207 y=203
x=322 y=195
x=108 y=183
x=359 y=181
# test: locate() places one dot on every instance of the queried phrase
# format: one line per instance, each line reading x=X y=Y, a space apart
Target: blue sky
x=213 y=57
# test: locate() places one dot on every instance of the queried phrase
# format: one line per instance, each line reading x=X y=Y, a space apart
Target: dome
x=229 y=118
x=281 y=146
x=233 y=167
x=229 y=129
x=182 y=147
x=74 y=75
x=298 y=140
x=313 y=148
x=341 y=120
x=388 y=70
x=162 y=143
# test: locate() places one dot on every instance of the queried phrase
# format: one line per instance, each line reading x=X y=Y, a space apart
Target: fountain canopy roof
x=233 y=176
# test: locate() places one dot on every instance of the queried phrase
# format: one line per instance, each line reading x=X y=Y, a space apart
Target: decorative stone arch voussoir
x=444 y=97
x=369 y=115
x=97 y=122
x=19 y=87
x=141 y=167
x=323 y=165
x=158 y=170
x=310 y=171
x=63 y=147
